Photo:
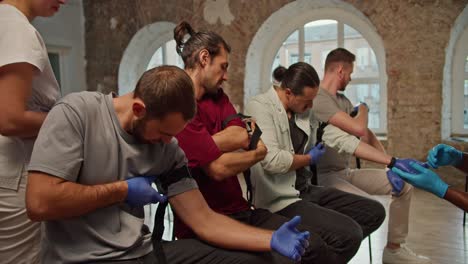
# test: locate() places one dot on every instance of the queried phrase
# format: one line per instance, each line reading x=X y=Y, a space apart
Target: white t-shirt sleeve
x=20 y=42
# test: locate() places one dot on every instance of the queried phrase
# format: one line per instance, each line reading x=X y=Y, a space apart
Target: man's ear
x=340 y=70
x=139 y=109
x=204 y=57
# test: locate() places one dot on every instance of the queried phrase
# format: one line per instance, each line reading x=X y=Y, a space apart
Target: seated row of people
x=96 y=157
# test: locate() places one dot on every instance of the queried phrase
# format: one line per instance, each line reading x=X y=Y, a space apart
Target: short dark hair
x=298 y=76
x=190 y=48
x=166 y=89
x=338 y=55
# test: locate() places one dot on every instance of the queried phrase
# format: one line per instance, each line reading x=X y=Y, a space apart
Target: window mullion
x=301 y=44
x=163 y=53
x=340 y=36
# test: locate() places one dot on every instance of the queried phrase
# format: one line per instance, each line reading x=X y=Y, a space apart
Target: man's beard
x=212 y=89
x=138 y=127
x=343 y=86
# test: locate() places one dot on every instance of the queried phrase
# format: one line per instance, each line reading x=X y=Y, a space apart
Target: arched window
x=316 y=28
x=460 y=87
x=312 y=42
x=166 y=55
x=151 y=46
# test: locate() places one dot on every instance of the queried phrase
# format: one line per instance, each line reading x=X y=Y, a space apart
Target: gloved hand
x=288 y=241
x=424 y=178
x=397 y=183
x=442 y=155
x=316 y=152
x=356 y=107
x=141 y=193
x=404 y=164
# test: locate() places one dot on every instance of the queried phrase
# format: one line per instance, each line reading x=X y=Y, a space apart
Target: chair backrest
x=313 y=167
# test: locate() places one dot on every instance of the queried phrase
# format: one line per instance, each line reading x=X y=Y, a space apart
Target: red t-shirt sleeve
x=198 y=145
x=228 y=110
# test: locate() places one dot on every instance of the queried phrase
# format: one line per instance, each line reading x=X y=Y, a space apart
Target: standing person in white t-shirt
x=28 y=90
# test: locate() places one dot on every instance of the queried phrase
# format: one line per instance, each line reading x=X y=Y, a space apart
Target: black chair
x=466 y=190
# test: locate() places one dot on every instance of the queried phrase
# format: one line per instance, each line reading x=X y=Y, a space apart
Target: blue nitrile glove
x=442 y=155
x=356 y=107
x=397 y=183
x=404 y=164
x=141 y=193
x=316 y=152
x=288 y=241
x=425 y=179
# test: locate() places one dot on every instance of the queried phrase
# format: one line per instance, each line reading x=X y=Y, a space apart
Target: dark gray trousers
x=337 y=222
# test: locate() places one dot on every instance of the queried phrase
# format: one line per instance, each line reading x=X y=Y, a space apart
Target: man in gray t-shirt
x=92 y=167
x=331 y=106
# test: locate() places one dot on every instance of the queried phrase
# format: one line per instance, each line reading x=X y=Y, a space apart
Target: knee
x=377 y=215
x=348 y=238
x=339 y=247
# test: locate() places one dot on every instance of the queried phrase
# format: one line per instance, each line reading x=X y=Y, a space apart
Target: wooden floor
x=436 y=231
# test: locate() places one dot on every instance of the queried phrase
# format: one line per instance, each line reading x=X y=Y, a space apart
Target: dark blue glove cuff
x=392 y=163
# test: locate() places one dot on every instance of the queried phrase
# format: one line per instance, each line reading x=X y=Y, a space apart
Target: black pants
x=336 y=220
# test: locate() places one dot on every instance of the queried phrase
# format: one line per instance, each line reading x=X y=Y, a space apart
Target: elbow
x=277 y=162
x=218 y=172
x=360 y=131
x=273 y=169
x=36 y=210
x=7 y=128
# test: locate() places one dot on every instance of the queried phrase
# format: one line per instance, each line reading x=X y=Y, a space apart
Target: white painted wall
x=139 y=52
x=64 y=33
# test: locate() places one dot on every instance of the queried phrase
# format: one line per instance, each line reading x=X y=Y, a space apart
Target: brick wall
x=415 y=34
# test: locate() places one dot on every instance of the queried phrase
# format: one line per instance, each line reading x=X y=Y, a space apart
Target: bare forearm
x=51 y=198
x=458 y=198
x=218 y=229
x=370 y=153
x=374 y=141
x=24 y=125
x=299 y=161
x=232 y=163
x=225 y=232
x=464 y=164
x=231 y=139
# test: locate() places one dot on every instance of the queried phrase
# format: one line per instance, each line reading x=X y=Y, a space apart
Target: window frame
x=271 y=34
x=459 y=76
x=300 y=56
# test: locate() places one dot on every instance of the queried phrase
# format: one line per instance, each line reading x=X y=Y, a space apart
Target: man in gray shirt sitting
x=334 y=108
x=91 y=171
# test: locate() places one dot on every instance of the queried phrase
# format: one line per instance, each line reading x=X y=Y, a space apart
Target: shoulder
x=342 y=97
x=82 y=102
x=258 y=99
x=322 y=100
x=173 y=154
x=83 y=98
x=14 y=23
x=20 y=41
x=323 y=94
x=259 y=103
